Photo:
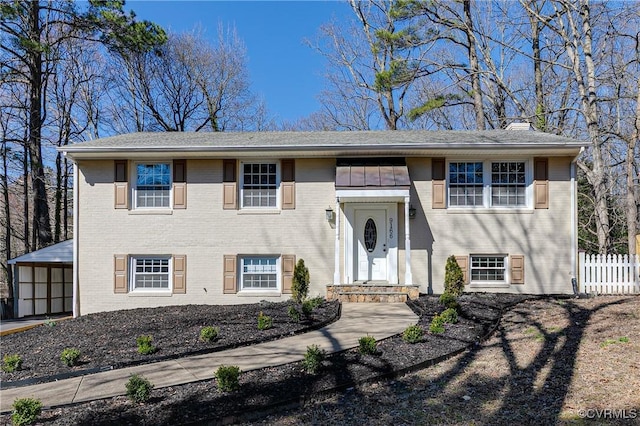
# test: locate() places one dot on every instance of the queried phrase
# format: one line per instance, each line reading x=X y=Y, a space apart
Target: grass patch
x=609 y=342
x=537 y=335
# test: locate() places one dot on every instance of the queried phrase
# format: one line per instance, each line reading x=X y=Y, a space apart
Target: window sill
x=150 y=293
x=494 y=210
x=249 y=293
x=489 y=285
x=258 y=211
x=151 y=212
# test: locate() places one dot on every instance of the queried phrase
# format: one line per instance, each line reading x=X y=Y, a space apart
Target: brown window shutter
x=517 y=268
x=179 y=184
x=121 y=184
x=541 y=183
x=288 y=265
x=230 y=279
x=120 y=284
x=288 y=184
x=229 y=185
x=120 y=171
x=179 y=274
x=438 y=183
x=463 y=262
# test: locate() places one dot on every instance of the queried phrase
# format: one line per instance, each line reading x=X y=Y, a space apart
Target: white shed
x=43 y=281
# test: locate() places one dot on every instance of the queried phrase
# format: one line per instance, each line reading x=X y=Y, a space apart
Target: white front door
x=372 y=246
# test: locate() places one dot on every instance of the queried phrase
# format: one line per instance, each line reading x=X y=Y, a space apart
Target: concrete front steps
x=372 y=292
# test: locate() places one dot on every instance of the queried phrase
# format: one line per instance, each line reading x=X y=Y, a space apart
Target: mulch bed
x=268 y=390
x=107 y=340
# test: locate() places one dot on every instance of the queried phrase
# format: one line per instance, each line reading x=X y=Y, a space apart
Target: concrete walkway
x=22 y=324
x=357 y=320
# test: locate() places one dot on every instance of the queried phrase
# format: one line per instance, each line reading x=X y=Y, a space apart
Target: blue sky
x=283 y=70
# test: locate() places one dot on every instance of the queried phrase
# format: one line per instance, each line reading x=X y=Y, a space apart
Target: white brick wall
x=204 y=232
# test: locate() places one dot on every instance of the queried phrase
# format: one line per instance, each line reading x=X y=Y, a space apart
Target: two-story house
x=221 y=218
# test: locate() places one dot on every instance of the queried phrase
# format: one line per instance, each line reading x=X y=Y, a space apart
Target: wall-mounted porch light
x=328 y=214
x=412 y=212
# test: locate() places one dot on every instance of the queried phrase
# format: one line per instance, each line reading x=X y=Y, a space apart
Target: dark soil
x=107 y=340
x=261 y=391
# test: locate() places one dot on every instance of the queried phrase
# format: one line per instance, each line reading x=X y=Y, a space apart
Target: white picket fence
x=609 y=274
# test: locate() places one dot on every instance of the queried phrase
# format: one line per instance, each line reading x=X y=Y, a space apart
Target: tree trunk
x=475 y=68
x=41 y=222
x=541 y=120
x=7 y=236
x=631 y=204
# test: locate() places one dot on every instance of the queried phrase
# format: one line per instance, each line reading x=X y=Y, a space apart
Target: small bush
x=25 y=411
x=367 y=345
x=11 y=363
x=49 y=322
x=138 y=388
x=208 y=334
x=453 y=277
x=227 y=377
x=265 y=322
x=449 y=300
x=307 y=308
x=300 y=283
x=412 y=334
x=293 y=313
x=145 y=347
x=70 y=357
x=437 y=325
x=313 y=358
x=449 y=316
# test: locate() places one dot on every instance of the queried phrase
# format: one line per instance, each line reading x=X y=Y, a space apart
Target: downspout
x=76 y=229
x=574 y=223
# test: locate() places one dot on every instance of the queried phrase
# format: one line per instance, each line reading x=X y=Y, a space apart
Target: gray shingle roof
x=327 y=142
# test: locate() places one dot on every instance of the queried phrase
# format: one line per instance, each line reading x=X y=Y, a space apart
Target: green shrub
x=412 y=334
x=300 y=283
x=449 y=300
x=25 y=411
x=70 y=357
x=307 y=308
x=138 y=388
x=449 y=316
x=293 y=313
x=208 y=334
x=313 y=358
x=437 y=325
x=227 y=377
x=49 y=322
x=453 y=277
x=367 y=345
x=11 y=363
x=265 y=322
x=145 y=347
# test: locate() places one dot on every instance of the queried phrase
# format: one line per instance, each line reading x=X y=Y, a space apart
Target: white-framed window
x=487 y=184
x=152 y=185
x=508 y=184
x=490 y=269
x=466 y=183
x=259 y=272
x=260 y=181
x=150 y=273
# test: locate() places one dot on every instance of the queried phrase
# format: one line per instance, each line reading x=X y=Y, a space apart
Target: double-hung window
x=259 y=273
x=508 y=184
x=502 y=184
x=488 y=269
x=465 y=184
x=150 y=273
x=153 y=185
x=260 y=182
